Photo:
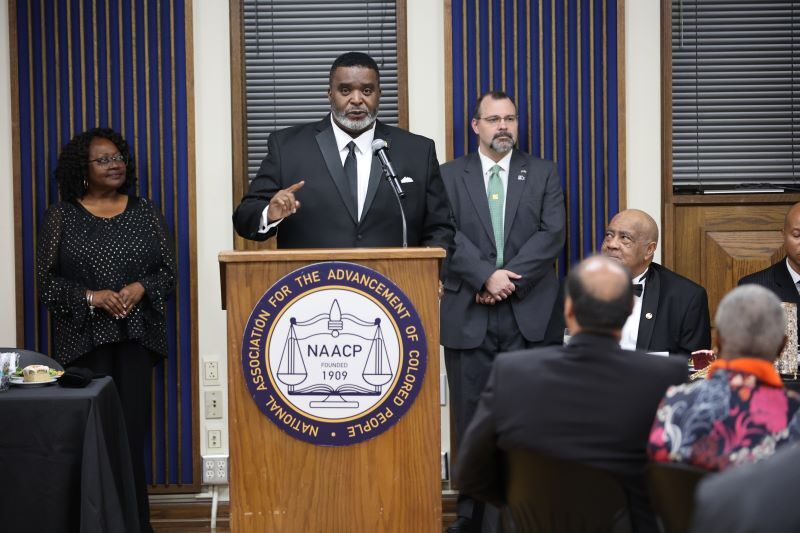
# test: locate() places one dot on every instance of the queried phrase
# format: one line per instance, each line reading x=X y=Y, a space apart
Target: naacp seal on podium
x=334 y=353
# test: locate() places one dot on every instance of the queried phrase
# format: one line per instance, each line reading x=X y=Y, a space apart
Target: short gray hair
x=751 y=323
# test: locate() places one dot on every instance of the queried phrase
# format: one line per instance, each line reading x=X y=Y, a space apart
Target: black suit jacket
x=589 y=401
x=678 y=309
x=534 y=236
x=327 y=217
x=777 y=279
x=754 y=498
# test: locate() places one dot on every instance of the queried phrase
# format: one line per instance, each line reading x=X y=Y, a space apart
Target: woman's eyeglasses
x=105 y=161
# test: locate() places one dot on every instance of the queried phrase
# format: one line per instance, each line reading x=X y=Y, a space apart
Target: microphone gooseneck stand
x=379 y=150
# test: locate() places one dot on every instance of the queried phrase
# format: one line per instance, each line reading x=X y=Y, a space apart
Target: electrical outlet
x=215 y=469
x=211 y=374
x=213 y=404
x=215 y=438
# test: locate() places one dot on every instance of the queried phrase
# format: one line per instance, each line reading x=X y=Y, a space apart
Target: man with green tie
x=499 y=278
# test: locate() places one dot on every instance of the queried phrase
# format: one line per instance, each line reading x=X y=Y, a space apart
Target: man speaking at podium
x=321 y=187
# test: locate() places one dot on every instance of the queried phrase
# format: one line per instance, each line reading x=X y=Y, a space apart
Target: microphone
x=379 y=147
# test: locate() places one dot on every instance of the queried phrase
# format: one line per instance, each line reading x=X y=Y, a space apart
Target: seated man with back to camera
x=742 y=412
x=589 y=401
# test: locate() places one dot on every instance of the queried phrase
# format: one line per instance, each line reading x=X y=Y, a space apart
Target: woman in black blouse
x=105 y=264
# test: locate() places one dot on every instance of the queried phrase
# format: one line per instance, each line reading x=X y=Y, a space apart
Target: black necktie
x=638 y=288
x=351 y=171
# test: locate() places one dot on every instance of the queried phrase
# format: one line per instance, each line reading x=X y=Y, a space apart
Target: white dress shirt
x=504 y=164
x=363 y=166
x=630 y=331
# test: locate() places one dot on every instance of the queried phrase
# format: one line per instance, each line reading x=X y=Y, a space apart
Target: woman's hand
x=131 y=295
x=110 y=302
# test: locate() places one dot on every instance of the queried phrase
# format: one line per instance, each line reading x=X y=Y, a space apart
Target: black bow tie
x=638 y=288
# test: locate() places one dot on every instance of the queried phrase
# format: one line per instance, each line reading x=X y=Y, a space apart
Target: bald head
x=792 y=218
x=599 y=295
x=631 y=238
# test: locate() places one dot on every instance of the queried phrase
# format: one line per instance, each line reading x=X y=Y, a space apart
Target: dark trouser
x=131 y=366
x=467 y=373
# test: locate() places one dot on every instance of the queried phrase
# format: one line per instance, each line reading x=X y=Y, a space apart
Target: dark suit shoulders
x=753 y=497
x=539 y=165
x=777 y=279
x=593 y=348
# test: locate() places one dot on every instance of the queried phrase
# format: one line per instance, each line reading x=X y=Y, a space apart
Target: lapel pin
x=521 y=178
x=649 y=316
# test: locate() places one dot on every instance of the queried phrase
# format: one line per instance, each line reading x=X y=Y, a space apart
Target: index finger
x=297 y=186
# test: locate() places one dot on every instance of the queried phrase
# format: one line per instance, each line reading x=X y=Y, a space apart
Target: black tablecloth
x=64 y=461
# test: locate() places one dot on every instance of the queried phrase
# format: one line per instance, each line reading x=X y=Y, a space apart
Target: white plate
x=16 y=380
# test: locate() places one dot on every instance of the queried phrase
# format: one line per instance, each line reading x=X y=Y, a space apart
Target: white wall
x=425 y=38
x=212 y=93
x=643 y=106
x=426 y=113
x=8 y=321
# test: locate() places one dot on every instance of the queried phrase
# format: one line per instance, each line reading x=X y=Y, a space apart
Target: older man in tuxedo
x=589 y=401
x=783 y=277
x=320 y=186
x=670 y=312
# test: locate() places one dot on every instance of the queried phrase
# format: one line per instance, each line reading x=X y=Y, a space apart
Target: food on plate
x=53 y=373
x=34 y=373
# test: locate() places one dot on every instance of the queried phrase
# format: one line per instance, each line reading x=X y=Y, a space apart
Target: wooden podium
x=279 y=483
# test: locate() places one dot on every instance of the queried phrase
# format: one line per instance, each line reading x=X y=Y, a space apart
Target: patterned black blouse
x=79 y=251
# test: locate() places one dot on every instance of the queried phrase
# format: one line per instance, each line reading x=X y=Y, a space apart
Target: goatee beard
x=502 y=144
x=354 y=125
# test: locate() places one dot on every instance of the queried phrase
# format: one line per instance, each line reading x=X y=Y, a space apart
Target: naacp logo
x=334 y=353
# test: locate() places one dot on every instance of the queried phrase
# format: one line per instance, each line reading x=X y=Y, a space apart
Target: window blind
x=289 y=48
x=735 y=121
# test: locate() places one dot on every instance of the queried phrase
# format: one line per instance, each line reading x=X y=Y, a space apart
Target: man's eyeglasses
x=105 y=161
x=494 y=119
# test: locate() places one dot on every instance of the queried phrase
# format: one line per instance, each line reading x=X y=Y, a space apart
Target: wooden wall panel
x=730 y=255
x=716 y=241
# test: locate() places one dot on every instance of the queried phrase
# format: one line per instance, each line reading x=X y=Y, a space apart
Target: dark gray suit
x=327 y=217
x=754 y=498
x=471 y=333
x=534 y=236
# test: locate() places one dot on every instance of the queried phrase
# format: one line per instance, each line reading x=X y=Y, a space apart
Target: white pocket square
x=406 y=179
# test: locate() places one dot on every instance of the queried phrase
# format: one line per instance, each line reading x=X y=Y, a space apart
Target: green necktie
x=496 y=195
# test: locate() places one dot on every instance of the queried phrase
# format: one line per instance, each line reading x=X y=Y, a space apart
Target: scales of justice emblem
x=336 y=355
